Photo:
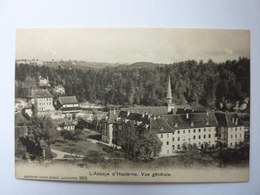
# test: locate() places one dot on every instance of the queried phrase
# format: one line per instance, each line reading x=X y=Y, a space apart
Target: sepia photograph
x=149 y=105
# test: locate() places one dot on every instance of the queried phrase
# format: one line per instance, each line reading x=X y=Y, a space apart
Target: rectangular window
x=204 y=129
x=199 y=130
x=236 y=129
x=173 y=147
x=189 y=131
x=231 y=136
x=194 y=137
x=199 y=136
x=167 y=135
x=178 y=132
x=173 y=139
x=167 y=143
x=178 y=138
x=183 y=131
x=236 y=136
x=194 y=130
x=161 y=135
x=209 y=135
x=179 y=147
x=204 y=136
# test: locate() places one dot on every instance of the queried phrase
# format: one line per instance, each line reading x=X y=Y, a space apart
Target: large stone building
x=177 y=127
x=231 y=130
x=42 y=100
x=178 y=131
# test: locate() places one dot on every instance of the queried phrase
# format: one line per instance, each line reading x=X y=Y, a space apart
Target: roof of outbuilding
x=68 y=100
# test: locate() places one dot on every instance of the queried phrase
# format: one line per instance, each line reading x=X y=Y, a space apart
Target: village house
x=42 y=100
x=69 y=106
x=63 y=124
x=231 y=130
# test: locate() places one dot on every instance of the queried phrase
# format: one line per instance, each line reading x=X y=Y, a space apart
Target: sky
x=129 y=45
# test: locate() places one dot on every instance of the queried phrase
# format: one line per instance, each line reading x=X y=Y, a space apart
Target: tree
x=139 y=144
x=42 y=133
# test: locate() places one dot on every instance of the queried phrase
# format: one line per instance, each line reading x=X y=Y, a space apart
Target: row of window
x=194 y=137
x=236 y=128
x=236 y=136
x=44 y=99
x=42 y=104
x=189 y=131
x=178 y=146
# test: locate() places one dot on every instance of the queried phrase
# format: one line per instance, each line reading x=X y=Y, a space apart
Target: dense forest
x=201 y=84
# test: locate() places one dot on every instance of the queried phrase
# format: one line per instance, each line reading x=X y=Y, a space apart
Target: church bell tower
x=170 y=105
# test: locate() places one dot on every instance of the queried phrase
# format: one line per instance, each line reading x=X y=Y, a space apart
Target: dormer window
x=206 y=122
x=175 y=124
x=192 y=124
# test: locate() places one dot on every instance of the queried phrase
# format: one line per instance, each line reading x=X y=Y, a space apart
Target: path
x=61 y=155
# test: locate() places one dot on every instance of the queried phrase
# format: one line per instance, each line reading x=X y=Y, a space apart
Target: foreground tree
x=139 y=144
x=41 y=133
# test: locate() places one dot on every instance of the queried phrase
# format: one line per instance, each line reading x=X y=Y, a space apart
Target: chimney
x=233 y=120
x=187 y=115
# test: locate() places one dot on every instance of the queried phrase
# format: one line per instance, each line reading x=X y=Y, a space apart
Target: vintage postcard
x=132 y=104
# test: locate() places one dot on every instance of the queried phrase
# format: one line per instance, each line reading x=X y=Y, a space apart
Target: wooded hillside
x=205 y=83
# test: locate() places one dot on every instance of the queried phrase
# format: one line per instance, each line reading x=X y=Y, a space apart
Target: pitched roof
x=41 y=93
x=155 y=110
x=68 y=100
x=184 y=111
x=170 y=123
x=229 y=119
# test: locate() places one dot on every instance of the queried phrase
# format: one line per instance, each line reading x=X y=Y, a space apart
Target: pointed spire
x=169 y=92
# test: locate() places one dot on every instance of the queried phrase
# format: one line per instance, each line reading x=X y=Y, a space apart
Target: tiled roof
x=41 y=93
x=230 y=119
x=169 y=123
x=184 y=111
x=68 y=100
x=155 y=110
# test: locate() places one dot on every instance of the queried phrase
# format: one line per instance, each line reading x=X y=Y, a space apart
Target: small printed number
x=83 y=178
